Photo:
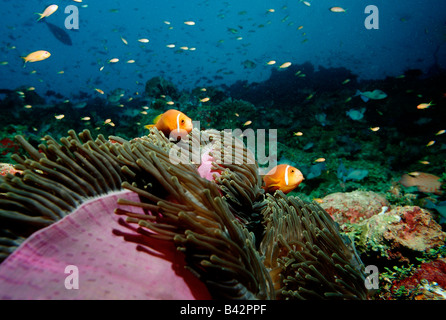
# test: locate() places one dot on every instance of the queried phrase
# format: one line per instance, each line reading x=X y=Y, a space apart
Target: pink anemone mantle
x=110 y=257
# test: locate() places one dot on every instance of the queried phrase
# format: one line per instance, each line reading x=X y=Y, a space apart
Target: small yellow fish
x=171 y=45
x=337 y=9
x=285 y=65
x=48 y=11
x=247 y=123
x=424 y=162
x=310 y=96
x=308 y=4
x=298 y=134
x=59 y=117
x=414 y=174
x=440 y=132
x=271 y=62
x=114 y=60
x=205 y=99
x=36 y=56
x=320 y=160
x=124 y=40
x=430 y=143
x=346 y=81
x=143 y=40
x=374 y=129
x=99 y=90
x=85 y=118
x=189 y=23
x=130 y=61
x=424 y=105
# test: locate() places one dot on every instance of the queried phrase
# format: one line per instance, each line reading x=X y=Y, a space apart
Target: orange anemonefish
x=172 y=121
x=282 y=177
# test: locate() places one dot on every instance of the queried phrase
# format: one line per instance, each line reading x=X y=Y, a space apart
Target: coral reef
x=416 y=231
x=353 y=206
x=400 y=234
x=433 y=273
x=157 y=87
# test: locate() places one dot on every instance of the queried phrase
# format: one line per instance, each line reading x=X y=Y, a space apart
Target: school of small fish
x=103 y=52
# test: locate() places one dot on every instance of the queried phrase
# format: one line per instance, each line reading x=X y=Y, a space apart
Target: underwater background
x=358 y=103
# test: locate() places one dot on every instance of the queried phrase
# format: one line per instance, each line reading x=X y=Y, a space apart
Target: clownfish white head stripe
x=178 y=122
x=286 y=175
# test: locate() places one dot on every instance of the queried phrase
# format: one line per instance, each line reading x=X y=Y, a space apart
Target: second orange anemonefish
x=282 y=177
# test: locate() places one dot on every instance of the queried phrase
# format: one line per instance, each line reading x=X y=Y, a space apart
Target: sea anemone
x=240 y=244
x=305 y=253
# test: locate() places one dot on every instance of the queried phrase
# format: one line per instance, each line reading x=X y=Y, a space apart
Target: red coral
x=434 y=271
x=411 y=218
x=7 y=145
x=417 y=230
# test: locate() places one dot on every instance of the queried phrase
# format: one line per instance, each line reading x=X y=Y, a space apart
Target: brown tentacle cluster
x=239 y=181
x=218 y=248
x=305 y=253
x=53 y=182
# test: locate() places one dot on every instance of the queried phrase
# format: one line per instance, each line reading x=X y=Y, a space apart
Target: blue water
x=225 y=34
